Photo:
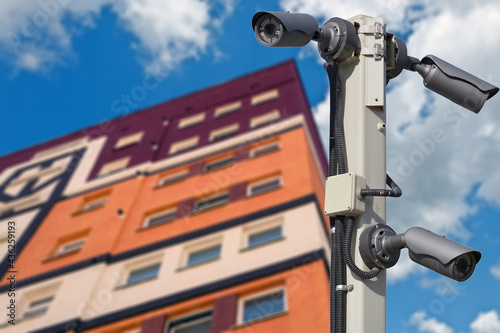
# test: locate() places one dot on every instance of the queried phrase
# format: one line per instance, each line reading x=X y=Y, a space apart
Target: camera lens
x=269 y=30
x=464 y=266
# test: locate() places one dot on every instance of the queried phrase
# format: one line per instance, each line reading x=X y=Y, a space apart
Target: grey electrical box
x=340 y=195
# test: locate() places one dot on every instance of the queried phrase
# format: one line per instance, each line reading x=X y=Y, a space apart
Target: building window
x=93 y=204
x=203 y=255
x=265 y=236
x=262 y=305
x=218 y=164
x=38 y=307
x=227 y=108
x=199 y=323
x=161 y=218
x=263 y=186
x=113 y=167
x=135 y=330
x=224 y=132
x=70 y=247
x=212 y=202
x=264 y=97
x=4 y=237
x=129 y=140
x=173 y=178
x=183 y=145
x=265 y=119
x=265 y=149
x=143 y=274
x=191 y=120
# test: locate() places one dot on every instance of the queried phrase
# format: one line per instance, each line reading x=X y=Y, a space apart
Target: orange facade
x=306 y=288
x=110 y=220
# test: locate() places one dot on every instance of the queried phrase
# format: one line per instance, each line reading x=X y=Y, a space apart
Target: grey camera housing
x=380 y=247
x=454 y=83
x=283 y=29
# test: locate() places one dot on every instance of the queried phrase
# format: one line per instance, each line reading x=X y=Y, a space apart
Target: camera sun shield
x=283 y=29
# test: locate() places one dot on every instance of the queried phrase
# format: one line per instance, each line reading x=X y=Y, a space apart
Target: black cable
x=333 y=279
x=341 y=278
x=347 y=252
x=332 y=71
x=337 y=165
x=395 y=190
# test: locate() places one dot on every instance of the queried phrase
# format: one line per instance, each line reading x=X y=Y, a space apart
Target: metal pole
x=362 y=108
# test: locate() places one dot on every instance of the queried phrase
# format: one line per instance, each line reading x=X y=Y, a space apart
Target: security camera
x=284 y=29
x=380 y=247
x=453 y=83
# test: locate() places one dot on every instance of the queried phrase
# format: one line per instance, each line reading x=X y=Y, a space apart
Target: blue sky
x=65 y=65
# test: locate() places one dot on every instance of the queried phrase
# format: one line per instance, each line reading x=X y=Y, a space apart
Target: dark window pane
x=264 y=236
x=263 y=306
x=200 y=325
x=36 y=312
x=264 y=187
x=142 y=274
x=173 y=179
x=219 y=164
x=212 y=202
x=224 y=135
x=204 y=255
x=163 y=218
x=259 y=151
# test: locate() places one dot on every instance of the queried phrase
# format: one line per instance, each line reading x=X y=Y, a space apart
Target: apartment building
x=200 y=214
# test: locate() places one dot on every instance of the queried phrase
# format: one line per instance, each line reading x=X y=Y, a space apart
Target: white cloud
x=428 y=325
x=486 y=322
x=440 y=158
x=495 y=271
x=167 y=32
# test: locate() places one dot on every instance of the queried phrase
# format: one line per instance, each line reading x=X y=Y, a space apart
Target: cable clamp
x=376 y=51
x=347 y=288
x=377 y=29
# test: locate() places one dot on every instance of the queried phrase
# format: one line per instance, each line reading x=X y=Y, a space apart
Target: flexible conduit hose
x=340 y=276
x=347 y=251
x=337 y=166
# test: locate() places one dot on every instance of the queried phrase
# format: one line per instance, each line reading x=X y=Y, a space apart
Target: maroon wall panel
x=237 y=191
x=154 y=325
x=224 y=313
x=185 y=207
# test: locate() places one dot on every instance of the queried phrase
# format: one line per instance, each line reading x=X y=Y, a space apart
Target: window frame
x=39 y=309
x=261 y=294
x=156 y=265
x=183 y=145
x=257 y=227
x=59 y=252
x=262 y=182
x=265 y=119
x=227 y=109
x=263 y=149
x=264 y=97
x=212 y=205
x=169 y=211
x=192 y=120
x=267 y=241
x=224 y=132
x=190 y=318
x=218 y=253
x=128 y=140
x=173 y=178
x=199 y=246
x=104 y=173
x=224 y=162
x=89 y=205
